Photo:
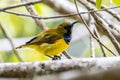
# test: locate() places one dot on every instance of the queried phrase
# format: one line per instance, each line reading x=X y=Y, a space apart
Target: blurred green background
x=21 y=29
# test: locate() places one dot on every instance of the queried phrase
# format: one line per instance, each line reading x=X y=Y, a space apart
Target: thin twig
x=91 y=32
x=60 y=16
x=38 y=1
x=11 y=42
x=107 y=10
x=110 y=24
x=109 y=33
x=92 y=51
x=101 y=24
x=32 y=11
x=98 y=36
x=92 y=48
x=112 y=27
x=19 y=5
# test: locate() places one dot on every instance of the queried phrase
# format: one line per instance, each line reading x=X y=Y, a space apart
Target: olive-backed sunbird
x=52 y=42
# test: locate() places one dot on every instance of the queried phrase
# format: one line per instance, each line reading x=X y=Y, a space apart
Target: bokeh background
x=22 y=29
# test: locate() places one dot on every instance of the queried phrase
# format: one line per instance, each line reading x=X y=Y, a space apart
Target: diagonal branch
x=107 y=10
x=90 y=30
x=11 y=42
x=31 y=10
x=110 y=35
x=98 y=36
x=102 y=25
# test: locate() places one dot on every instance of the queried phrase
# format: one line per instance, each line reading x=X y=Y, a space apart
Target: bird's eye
x=65 y=27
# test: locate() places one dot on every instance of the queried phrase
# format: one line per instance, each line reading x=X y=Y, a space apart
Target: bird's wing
x=45 y=38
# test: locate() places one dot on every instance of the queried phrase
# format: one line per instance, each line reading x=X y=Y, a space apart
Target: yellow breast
x=51 y=49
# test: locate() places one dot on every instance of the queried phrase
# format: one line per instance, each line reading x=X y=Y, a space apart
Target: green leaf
x=117 y=2
x=106 y=2
x=98 y=3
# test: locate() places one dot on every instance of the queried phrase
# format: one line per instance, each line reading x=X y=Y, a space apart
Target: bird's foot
x=56 y=57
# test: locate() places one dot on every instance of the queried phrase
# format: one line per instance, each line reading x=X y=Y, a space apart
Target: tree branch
x=11 y=43
x=48 y=67
x=107 y=10
x=68 y=7
x=59 y=16
x=19 y=5
x=32 y=11
x=89 y=29
x=102 y=26
x=101 y=46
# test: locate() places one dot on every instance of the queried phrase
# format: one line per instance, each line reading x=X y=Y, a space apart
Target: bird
x=52 y=42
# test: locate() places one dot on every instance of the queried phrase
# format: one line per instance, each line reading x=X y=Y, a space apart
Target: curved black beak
x=75 y=22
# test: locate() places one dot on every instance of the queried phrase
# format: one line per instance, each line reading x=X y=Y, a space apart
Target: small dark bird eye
x=69 y=26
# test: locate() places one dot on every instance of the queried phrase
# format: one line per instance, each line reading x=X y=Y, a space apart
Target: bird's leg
x=53 y=58
x=56 y=57
x=50 y=57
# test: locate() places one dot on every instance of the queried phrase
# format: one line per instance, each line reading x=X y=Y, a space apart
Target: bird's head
x=65 y=27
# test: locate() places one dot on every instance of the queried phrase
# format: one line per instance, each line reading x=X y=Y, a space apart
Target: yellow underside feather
x=50 y=49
